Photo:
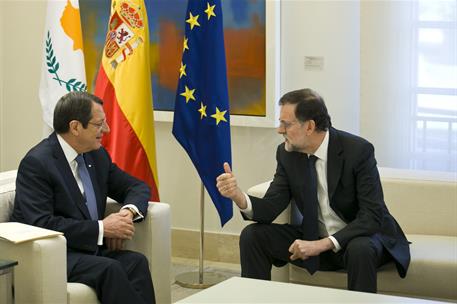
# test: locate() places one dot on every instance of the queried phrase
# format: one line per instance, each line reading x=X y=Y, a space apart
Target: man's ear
x=75 y=127
x=310 y=127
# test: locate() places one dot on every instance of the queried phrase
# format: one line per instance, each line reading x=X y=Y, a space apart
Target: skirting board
x=218 y=247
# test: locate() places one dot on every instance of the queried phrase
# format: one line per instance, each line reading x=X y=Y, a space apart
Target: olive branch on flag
x=53 y=66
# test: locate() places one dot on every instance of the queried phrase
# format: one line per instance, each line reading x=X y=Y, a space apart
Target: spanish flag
x=124 y=84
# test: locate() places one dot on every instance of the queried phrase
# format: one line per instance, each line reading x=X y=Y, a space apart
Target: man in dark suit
x=333 y=179
x=62 y=184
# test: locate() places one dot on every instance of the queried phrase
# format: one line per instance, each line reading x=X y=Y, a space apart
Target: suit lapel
x=68 y=179
x=335 y=162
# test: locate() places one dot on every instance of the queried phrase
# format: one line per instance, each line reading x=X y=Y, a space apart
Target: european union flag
x=202 y=116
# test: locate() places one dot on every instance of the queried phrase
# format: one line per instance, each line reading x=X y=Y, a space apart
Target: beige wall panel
x=21 y=124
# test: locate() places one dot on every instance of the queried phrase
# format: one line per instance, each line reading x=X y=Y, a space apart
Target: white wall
x=386 y=79
x=308 y=28
x=21 y=32
x=329 y=29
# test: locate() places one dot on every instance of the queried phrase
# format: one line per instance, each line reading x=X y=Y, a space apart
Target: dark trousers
x=117 y=276
x=264 y=245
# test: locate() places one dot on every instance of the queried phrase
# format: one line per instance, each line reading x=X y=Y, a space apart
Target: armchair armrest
x=153 y=239
x=259 y=190
x=36 y=277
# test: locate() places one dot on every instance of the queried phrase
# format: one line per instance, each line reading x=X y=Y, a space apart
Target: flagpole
x=207 y=87
x=200 y=279
x=202 y=232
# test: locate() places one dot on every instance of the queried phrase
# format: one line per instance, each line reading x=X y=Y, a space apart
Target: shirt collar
x=321 y=152
x=68 y=151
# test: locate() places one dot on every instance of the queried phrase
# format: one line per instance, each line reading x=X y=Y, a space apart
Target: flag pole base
x=192 y=279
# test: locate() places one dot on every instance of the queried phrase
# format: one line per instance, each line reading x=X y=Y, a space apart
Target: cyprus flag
x=63 y=59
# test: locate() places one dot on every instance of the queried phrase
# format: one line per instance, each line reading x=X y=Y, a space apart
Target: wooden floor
x=181 y=265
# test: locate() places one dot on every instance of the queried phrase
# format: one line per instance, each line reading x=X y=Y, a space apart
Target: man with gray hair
x=62 y=184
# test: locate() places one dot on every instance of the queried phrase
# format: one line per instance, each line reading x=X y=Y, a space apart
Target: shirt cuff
x=138 y=215
x=100 y=233
x=335 y=243
x=248 y=210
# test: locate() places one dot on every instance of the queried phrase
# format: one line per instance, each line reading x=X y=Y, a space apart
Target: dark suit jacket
x=48 y=196
x=354 y=190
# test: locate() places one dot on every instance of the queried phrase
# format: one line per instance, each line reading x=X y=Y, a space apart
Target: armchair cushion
x=78 y=293
x=6 y=201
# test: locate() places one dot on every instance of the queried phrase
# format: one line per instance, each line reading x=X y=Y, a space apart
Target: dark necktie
x=89 y=193
x=310 y=205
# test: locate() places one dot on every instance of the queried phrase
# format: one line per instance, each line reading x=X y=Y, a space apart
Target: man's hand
x=114 y=244
x=127 y=212
x=301 y=249
x=119 y=225
x=228 y=187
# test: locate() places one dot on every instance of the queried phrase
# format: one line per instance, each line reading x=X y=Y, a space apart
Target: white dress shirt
x=329 y=222
x=70 y=155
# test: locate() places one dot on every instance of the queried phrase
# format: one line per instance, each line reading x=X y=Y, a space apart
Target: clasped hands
x=301 y=249
x=118 y=227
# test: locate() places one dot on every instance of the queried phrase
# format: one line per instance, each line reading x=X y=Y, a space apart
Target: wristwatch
x=132 y=210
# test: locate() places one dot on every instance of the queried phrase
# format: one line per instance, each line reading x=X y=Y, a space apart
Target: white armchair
x=424 y=203
x=40 y=276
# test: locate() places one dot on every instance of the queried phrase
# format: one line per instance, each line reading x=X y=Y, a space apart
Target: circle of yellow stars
x=188 y=93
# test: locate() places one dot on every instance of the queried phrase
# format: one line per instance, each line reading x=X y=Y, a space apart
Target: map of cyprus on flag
x=62 y=55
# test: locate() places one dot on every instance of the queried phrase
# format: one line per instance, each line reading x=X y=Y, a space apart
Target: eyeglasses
x=99 y=125
x=286 y=124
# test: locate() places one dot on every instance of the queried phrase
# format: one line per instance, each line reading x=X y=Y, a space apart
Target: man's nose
x=280 y=129
x=106 y=128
